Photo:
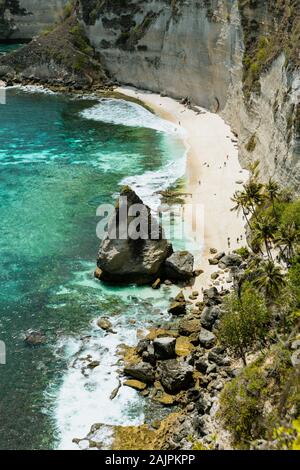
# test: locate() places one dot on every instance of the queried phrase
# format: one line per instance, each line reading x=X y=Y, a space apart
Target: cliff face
x=23 y=19
x=238 y=58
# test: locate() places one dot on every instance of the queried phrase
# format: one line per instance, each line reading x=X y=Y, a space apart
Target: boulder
x=142 y=371
x=136 y=384
x=124 y=259
x=189 y=325
x=229 y=261
x=104 y=324
x=164 y=348
x=176 y=376
x=184 y=346
x=35 y=338
x=206 y=338
x=142 y=346
x=178 y=308
x=212 y=297
x=218 y=359
x=179 y=266
x=209 y=316
x=201 y=365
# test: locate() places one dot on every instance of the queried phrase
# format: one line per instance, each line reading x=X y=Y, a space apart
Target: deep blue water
x=56 y=167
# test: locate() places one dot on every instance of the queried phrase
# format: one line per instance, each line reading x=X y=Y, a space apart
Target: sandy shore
x=213 y=174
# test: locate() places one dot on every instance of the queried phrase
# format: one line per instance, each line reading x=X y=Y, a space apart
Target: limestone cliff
x=236 y=57
x=23 y=19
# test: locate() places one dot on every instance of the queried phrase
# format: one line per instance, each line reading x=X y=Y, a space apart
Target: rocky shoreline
x=181 y=366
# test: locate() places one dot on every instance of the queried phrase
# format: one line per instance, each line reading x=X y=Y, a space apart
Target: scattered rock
x=35 y=338
x=189 y=325
x=136 y=384
x=178 y=308
x=209 y=316
x=206 y=338
x=165 y=399
x=218 y=359
x=214 y=276
x=104 y=324
x=229 y=261
x=213 y=251
x=156 y=285
x=179 y=266
x=142 y=371
x=201 y=365
x=183 y=346
x=176 y=376
x=93 y=365
x=164 y=348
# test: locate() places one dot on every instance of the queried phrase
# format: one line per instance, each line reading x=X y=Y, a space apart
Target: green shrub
x=243 y=325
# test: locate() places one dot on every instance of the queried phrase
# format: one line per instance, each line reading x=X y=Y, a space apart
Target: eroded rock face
x=164 y=347
x=127 y=260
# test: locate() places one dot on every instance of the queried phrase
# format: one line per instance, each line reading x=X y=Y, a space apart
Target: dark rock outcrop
x=125 y=260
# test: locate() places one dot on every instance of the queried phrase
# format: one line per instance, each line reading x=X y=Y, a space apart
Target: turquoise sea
x=60 y=158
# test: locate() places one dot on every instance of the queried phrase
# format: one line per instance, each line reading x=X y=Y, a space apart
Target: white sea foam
x=127 y=113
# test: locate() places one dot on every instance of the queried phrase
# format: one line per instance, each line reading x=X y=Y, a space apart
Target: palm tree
x=269 y=280
x=273 y=192
x=288 y=238
x=264 y=232
x=254 y=195
x=241 y=204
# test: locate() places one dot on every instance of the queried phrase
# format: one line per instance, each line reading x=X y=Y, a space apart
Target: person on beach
x=228 y=241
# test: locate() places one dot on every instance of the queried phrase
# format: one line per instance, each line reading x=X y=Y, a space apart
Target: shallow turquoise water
x=56 y=167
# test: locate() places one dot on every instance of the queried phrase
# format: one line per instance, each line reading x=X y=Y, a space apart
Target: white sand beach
x=213 y=174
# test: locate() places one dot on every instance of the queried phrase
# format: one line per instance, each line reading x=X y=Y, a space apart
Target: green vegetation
x=263 y=395
x=261 y=320
x=244 y=322
x=270 y=27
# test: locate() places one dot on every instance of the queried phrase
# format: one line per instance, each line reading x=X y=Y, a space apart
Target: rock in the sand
x=104 y=324
x=180 y=266
x=206 y=338
x=124 y=259
x=209 y=316
x=176 y=376
x=189 y=325
x=136 y=384
x=229 y=261
x=164 y=348
x=141 y=371
x=213 y=261
x=35 y=338
x=214 y=276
